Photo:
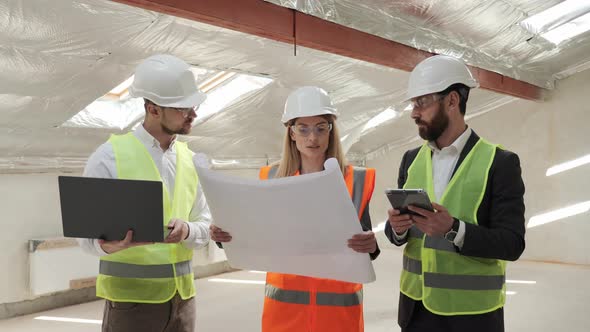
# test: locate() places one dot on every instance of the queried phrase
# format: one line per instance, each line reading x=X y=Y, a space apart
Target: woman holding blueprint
x=295 y=303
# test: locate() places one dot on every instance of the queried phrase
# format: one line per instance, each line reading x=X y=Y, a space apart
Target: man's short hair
x=463 y=91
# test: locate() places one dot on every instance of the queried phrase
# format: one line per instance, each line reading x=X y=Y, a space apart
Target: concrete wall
x=29 y=207
x=543 y=135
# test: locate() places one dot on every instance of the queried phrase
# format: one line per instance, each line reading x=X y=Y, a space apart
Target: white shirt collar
x=147 y=139
x=457 y=145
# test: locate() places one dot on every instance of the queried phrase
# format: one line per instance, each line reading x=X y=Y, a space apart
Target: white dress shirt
x=443 y=163
x=101 y=164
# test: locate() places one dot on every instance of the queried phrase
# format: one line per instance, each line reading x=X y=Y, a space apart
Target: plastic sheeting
x=41 y=164
x=486 y=34
x=58 y=57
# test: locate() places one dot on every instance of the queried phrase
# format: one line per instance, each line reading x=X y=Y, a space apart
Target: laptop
x=106 y=209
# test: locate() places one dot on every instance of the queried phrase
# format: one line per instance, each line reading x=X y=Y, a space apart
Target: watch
x=452 y=233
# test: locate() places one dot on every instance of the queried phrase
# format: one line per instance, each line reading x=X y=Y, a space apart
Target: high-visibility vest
x=296 y=303
x=151 y=273
x=447 y=282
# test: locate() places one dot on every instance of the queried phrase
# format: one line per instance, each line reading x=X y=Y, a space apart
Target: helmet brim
x=325 y=111
x=426 y=90
x=193 y=100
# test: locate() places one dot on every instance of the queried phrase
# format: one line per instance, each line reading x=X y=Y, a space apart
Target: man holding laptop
x=453 y=276
x=149 y=286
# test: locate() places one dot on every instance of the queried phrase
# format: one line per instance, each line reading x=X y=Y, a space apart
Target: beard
x=169 y=131
x=179 y=131
x=438 y=125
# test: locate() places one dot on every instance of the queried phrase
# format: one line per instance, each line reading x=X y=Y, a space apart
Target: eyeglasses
x=184 y=111
x=425 y=101
x=319 y=129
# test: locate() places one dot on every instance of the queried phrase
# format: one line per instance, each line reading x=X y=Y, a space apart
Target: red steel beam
x=282 y=24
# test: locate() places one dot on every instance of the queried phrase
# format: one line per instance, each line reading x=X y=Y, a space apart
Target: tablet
x=401 y=198
x=106 y=209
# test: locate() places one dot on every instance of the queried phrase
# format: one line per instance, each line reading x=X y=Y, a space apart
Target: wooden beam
x=282 y=24
x=507 y=85
x=334 y=38
x=255 y=17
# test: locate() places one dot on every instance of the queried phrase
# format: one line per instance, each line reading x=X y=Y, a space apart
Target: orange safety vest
x=295 y=303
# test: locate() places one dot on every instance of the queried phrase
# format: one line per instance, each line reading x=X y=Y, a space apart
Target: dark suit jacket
x=500 y=233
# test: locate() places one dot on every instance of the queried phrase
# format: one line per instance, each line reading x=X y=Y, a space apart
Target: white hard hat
x=437 y=73
x=166 y=81
x=308 y=101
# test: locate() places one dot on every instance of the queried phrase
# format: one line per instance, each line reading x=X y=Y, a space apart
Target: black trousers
x=419 y=319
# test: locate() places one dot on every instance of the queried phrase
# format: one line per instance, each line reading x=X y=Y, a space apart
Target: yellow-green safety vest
x=447 y=282
x=151 y=273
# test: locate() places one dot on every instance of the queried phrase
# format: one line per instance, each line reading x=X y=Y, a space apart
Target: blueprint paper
x=296 y=225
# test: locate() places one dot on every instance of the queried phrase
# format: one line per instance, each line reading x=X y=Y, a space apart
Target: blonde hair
x=291 y=159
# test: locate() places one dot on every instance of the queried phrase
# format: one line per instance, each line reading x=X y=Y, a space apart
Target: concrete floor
x=542 y=297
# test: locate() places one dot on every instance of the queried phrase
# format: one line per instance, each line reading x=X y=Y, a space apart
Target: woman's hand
x=364 y=242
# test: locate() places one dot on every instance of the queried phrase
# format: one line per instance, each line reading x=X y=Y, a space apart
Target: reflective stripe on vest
x=285 y=295
x=151 y=273
x=433 y=271
x=412 y=265
x=322 y=298
x=463 y=282
x=415 y=232
x=357 y=191
x=272 y=172
x=439 y=243
x=126 y=270
x=339 y=299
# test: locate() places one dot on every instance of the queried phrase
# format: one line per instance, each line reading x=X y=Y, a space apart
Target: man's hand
x=178 y=231
x=431 y=223
x=364 y=242
x=111 y=247
x=218 y=235
x=399 y=222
